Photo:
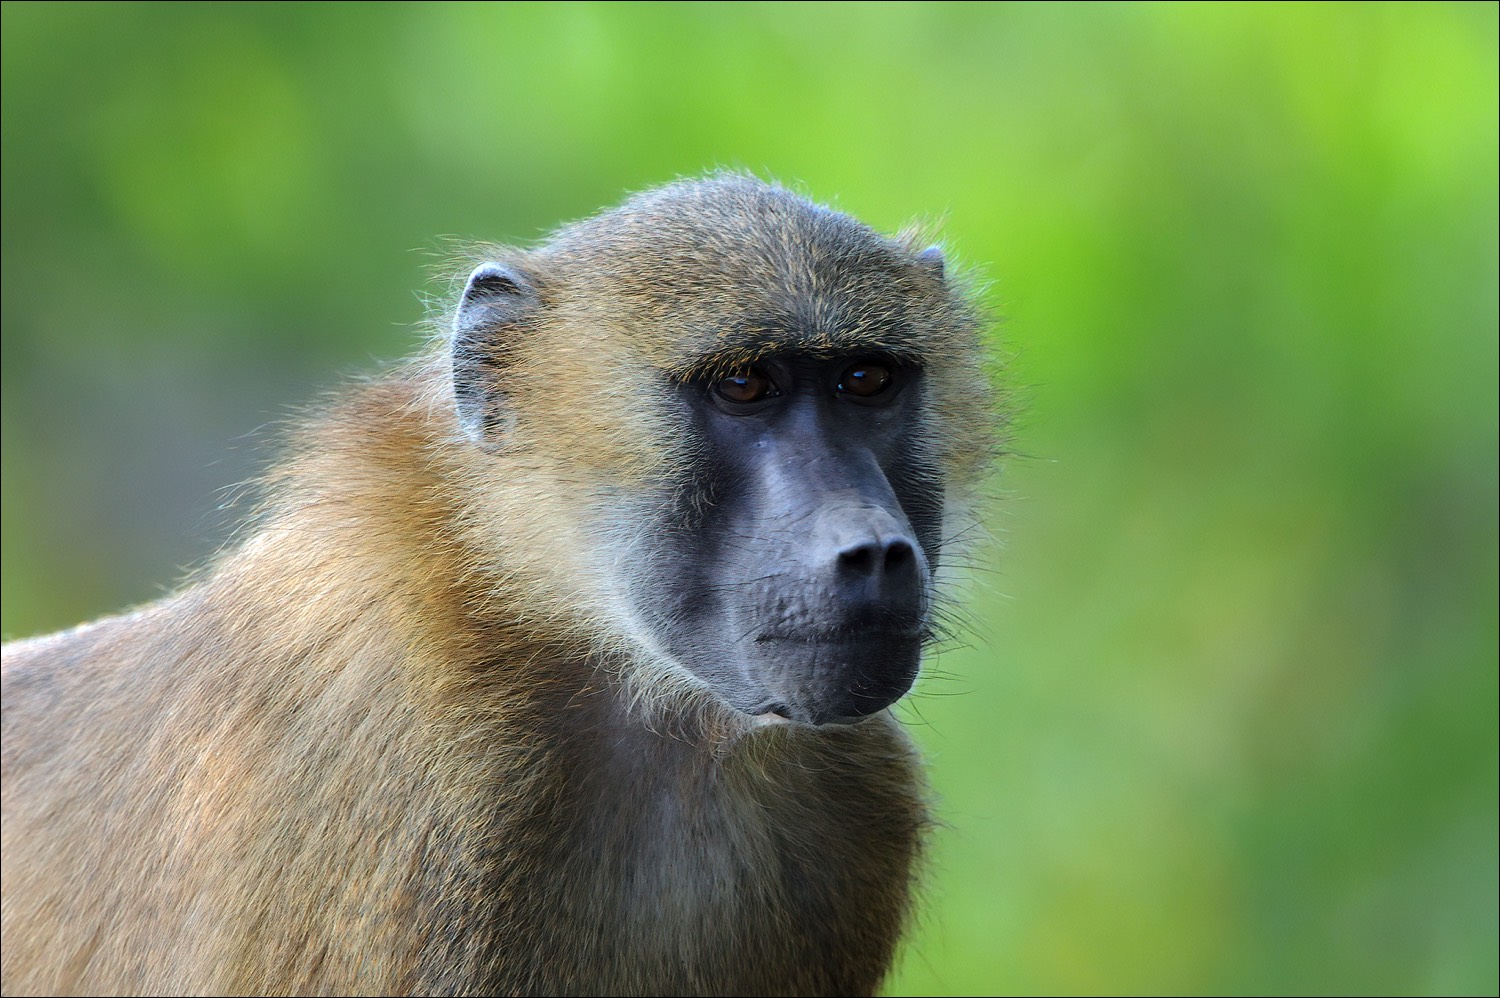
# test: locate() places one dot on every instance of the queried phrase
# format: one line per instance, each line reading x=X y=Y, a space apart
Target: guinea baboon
x=555 y=661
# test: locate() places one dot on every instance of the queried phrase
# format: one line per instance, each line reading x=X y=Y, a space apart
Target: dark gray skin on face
x=796 y=584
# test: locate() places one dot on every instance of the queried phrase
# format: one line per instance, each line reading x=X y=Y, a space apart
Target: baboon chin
x=555 y=661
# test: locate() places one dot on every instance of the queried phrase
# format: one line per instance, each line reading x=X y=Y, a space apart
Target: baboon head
x=757 y=419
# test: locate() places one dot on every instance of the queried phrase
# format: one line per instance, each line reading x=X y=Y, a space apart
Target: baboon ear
x=497 y=304
x=932 y=259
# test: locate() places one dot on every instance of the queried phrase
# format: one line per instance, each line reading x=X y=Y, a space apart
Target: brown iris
x=747 y=386
x=865 y=380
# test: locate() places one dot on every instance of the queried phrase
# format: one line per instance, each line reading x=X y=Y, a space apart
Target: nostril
x=875 y=557
x=861 y=559
x=899 y=555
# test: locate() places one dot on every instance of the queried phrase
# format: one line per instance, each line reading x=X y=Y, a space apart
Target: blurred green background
x=1228 y=719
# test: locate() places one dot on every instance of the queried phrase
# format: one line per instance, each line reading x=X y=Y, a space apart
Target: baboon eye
x=747 y=386
x=865 y=380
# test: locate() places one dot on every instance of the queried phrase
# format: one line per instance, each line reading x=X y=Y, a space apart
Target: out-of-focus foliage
x=1228 y=722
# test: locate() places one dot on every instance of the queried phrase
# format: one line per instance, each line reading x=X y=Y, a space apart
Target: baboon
x=555 y=661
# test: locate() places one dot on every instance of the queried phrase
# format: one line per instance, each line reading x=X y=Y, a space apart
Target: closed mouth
x=842 y=637
x=772 y=713
x=773 y=716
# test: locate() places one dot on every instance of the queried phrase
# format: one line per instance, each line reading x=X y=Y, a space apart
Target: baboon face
x=758 y=397
x=796 y=578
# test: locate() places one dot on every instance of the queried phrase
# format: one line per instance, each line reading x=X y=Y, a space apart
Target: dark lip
x=843 y=638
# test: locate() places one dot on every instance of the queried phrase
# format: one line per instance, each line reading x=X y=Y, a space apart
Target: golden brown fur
x=402 y=740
